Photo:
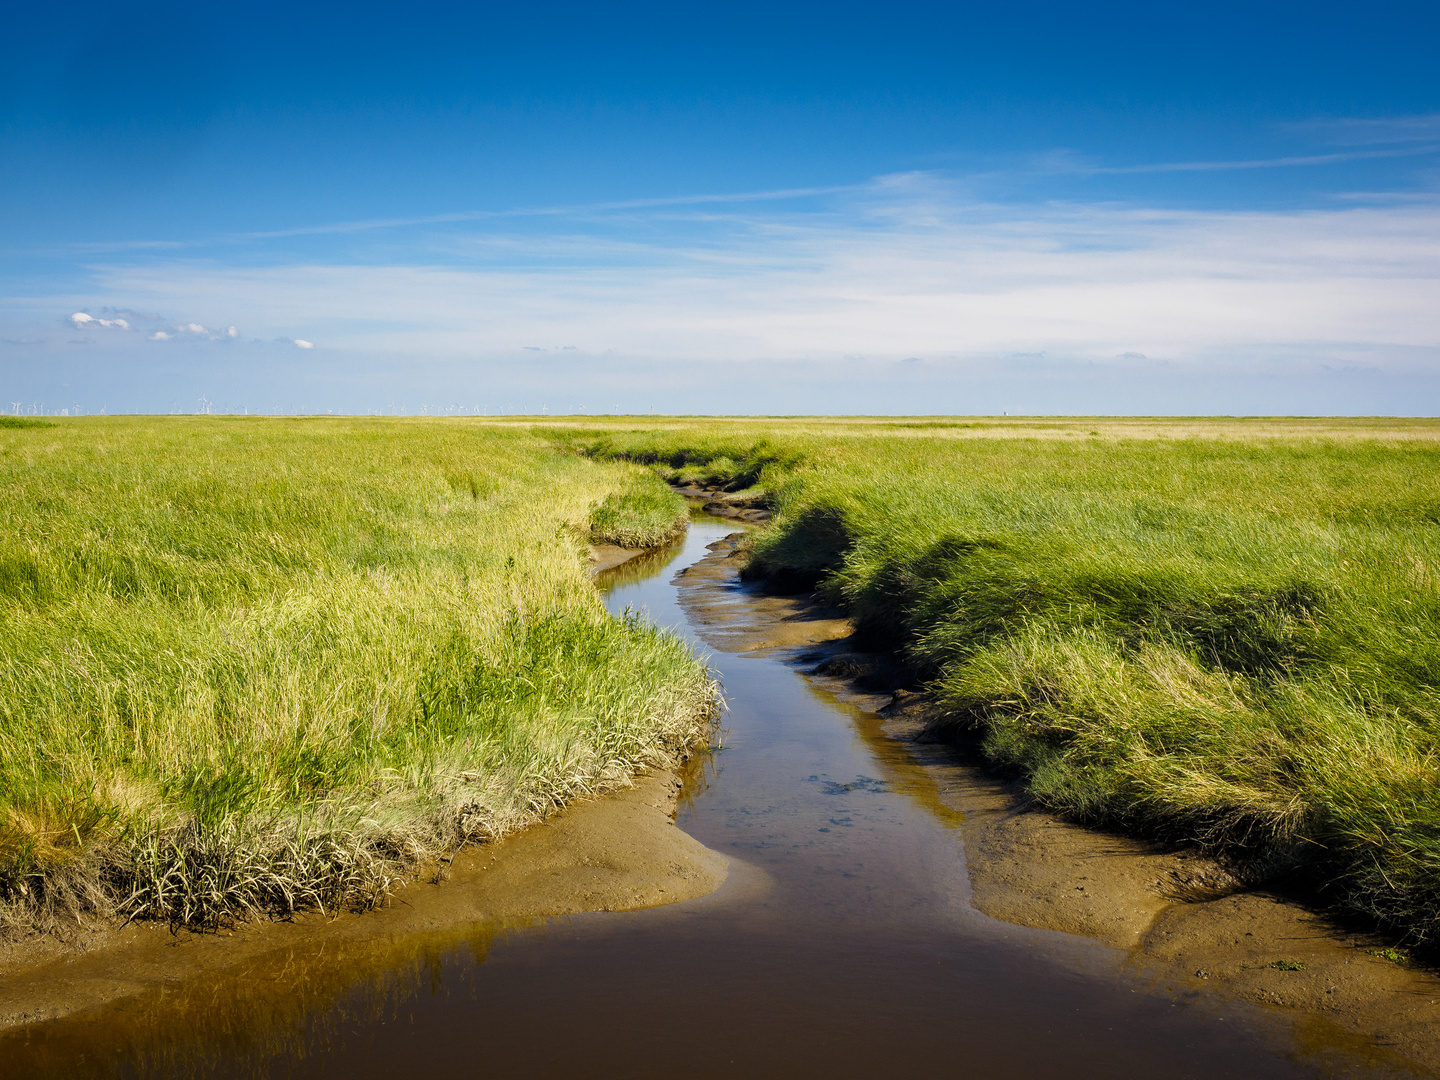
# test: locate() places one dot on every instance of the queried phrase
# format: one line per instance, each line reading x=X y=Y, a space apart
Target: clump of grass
x=208 y=876
x=1395 y=956
x=647 y=514
x=262 y=665
x=13 y=422
x=1230 y=637
x=1287 y=965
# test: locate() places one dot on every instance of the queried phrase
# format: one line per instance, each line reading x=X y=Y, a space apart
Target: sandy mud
x=608 y=556
x=1183 y=919
x=621 y=852
x=736 y=506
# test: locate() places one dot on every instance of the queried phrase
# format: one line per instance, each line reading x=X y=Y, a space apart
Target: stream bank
x=1180 y=916
x=621 y=852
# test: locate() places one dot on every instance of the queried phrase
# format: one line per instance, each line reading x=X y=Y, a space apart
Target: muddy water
x=841 y=944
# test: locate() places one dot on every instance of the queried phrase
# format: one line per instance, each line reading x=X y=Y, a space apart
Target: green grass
x=1395 y=956
x=1225 y=632
x=253 y=665
x=646 y=514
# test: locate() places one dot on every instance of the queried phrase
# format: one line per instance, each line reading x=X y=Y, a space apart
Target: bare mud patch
x=621 y=852
x=605 y=557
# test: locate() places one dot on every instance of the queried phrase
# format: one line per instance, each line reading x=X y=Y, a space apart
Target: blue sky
x=731 y=208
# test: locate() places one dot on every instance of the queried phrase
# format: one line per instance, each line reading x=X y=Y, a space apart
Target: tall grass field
x=256 y=665
x=1225 y=632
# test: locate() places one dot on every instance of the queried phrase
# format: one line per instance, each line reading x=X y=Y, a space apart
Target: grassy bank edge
x=67 y=857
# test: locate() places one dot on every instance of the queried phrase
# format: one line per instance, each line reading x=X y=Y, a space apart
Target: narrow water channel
x=842 y=944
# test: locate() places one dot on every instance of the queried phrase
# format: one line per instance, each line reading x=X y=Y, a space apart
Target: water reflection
x=285 y=1007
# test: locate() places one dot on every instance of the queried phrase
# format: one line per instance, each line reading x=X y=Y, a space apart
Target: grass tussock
x=264 y=665
x=645 y=514
x=1220 y=632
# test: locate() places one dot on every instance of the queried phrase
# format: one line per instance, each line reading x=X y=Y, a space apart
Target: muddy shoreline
x=1183 y=918
x=620 y=852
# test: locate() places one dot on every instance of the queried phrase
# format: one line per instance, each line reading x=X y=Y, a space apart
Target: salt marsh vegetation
x=1224 y=632
x=259 y=665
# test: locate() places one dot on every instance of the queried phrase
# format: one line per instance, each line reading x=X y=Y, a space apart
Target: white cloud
x=908 y=267
x=82 y=319
x=303 y=344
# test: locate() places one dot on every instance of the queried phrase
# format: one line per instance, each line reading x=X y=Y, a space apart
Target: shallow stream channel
x=842 y=943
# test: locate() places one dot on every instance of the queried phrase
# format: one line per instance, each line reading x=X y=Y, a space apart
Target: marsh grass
x=731 y=464
x=265 y=665
x=645 y=515
x=1218 y=632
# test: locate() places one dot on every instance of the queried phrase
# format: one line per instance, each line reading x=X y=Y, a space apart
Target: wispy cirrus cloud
x=1296 y=161
x=1369 y=130
x=1068 y=163
x=462 y=217
x=1374 y=139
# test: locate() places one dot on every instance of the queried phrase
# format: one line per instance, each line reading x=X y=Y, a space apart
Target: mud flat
x=605 y=557
x=1179 y=910
x=714 y=502
x=1182 y=918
